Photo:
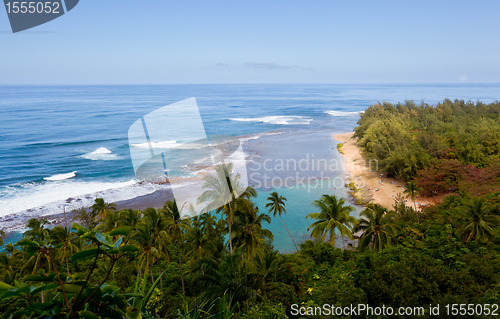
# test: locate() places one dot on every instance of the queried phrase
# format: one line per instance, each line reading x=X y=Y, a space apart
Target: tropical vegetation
x=154 y=263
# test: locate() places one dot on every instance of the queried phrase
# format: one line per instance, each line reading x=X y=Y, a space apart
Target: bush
x=265 y=310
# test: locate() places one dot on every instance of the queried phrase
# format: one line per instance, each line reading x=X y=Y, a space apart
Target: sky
x=272 y=41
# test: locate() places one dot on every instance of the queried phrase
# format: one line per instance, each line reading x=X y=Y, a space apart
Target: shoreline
x=156 y=200
x=373 y=184
x=15 y=223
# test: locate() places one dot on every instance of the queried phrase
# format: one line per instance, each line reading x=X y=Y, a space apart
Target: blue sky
x=158 y=41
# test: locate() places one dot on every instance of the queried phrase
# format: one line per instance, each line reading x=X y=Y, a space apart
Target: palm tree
x=36 y=229
x=271 y=266
x=130 y=217
x=477 y=221
x=175 y=227
x=333 y=215
x=7 y=267
x=63 y=236
x=378 y=226
x=411 y=192
x=158 y=227
x=276 y=205
x=2 y=235
x=403 y=213
x=208 y=224
x=87 y=219
x=248 y=232
x=463 y=194
x=198 y=244
x=155 y=219
x=110 y=221
x=38 y=233
x=100 y=207
x=247 y=194
x=214 y=279
x=144 y=236
x=222 y=191
x=10 y=260
x=214 y=229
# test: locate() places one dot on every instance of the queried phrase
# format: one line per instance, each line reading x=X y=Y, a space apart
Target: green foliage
x=378 y=226
x=404 y=138
x=249 y=236
x=276 y=205
x=144 y=298
x=265 y=310
x=75 y=294
x=2 y=235
x=339 y=148
x=477 y=221
x=155 y=302
x=333 y=215
x=100 y=208
x=123 y=267
x=12 y=304
x=86 y=218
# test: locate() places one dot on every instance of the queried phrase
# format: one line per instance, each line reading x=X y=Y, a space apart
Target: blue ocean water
x=65 y=145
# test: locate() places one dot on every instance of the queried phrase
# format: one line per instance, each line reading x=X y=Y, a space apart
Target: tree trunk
x=180 y=265
x=152 y=277
x=288 y=232
x=161 y=280
x=229 y=218
x=333 y=238
x=67 y=264
x=230 y=233
x=415 y=205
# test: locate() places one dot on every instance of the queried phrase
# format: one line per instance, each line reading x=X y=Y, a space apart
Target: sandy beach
x=372 y=183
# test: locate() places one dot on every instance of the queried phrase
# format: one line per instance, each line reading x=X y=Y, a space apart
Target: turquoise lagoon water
x=81 y=133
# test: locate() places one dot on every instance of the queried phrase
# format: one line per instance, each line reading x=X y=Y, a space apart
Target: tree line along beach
x=274 y=247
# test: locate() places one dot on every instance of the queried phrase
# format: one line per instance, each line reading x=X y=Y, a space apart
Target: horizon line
x=252 y=83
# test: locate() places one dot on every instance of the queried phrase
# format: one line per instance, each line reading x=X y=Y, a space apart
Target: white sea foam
x=101 y=154
x=60 y=177
x=257 y=136
x=249 y=138
x=171 y=145
x=166 y=144
x=283 y=120
x=184 y=184
x=343 y=113
x=40 y=199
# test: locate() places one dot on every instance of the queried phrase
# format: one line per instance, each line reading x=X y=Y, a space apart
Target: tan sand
x=371 y=182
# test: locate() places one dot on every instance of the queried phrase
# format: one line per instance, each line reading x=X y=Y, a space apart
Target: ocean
x=63 y=146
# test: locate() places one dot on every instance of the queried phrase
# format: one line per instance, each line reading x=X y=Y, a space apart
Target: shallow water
x=64 y=146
